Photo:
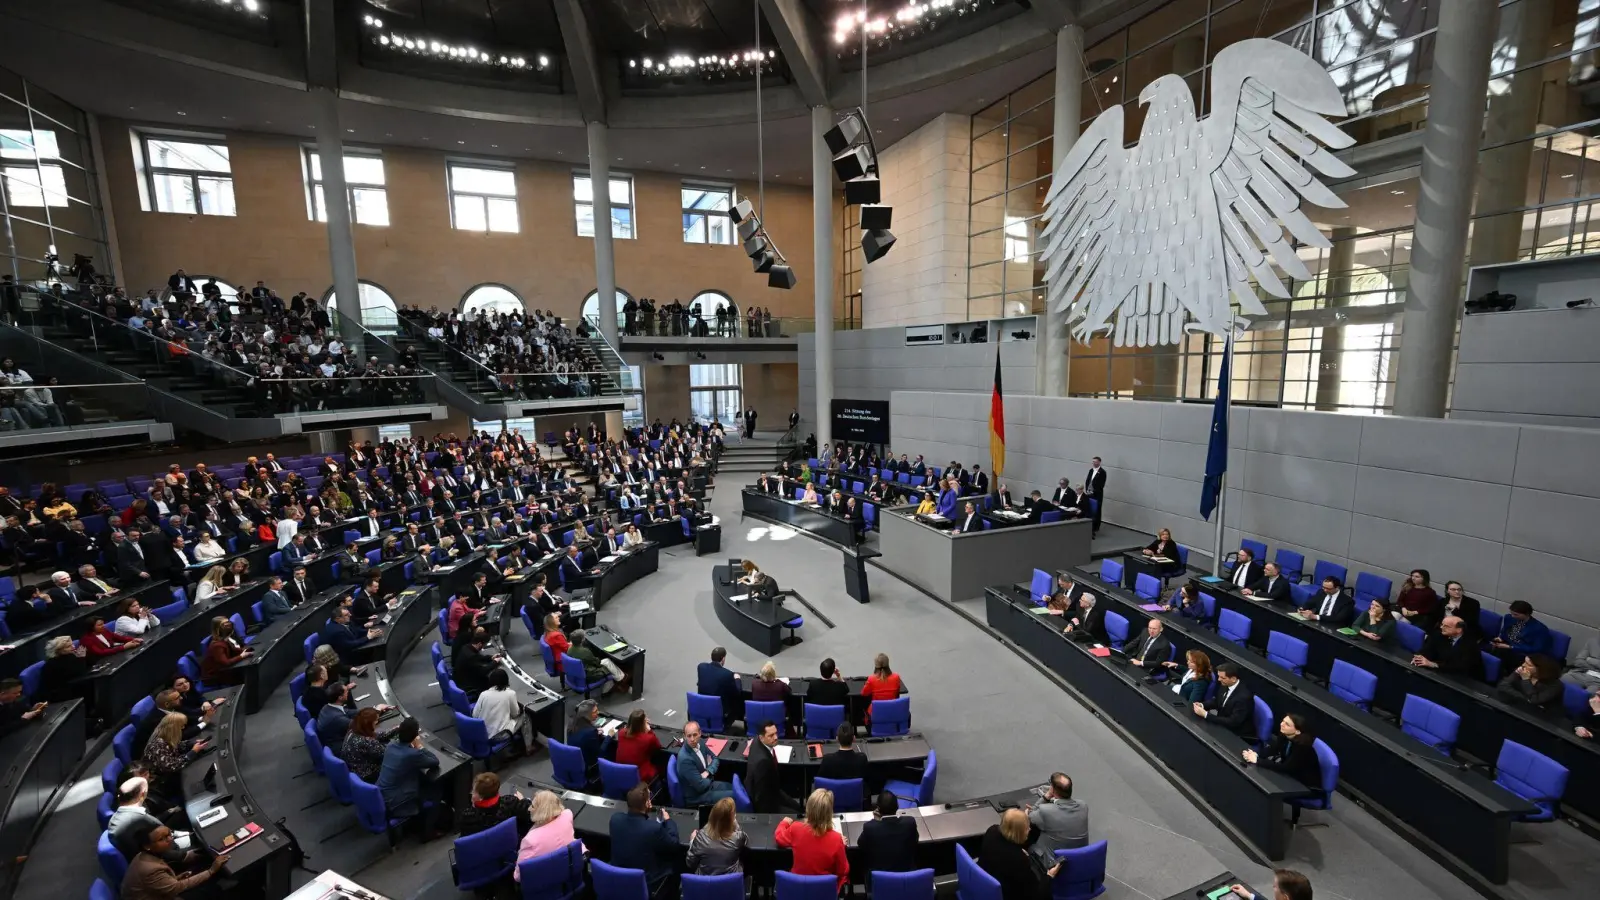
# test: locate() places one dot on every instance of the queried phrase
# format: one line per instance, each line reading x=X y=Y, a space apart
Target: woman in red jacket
x=637 y=745
x=225 y=649
x=882 y=684
x=552 y=635
x=818 y=849
x=101 y=641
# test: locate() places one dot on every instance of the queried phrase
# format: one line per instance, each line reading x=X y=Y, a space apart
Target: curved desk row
x=280 y=647
x=955 y=567
x=40 y=759
x=612 y=574
x=813 y=520
x=28 y=648
x=453 y=780
x=756 y=621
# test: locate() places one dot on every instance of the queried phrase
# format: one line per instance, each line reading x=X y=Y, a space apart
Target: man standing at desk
x=1287 y=884
x=714 y=680
x=642 y=841
x=1094 y=484
x=766 y=792
x=1233 y=706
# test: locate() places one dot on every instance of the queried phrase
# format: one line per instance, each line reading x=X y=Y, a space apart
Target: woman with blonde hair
x=165 y=754
x=210 y=585
x=551 y=831
x=818 y=849
x=717 y=849
x=1004 y=855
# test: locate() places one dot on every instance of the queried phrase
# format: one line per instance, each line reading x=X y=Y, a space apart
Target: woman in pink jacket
x=551 y=831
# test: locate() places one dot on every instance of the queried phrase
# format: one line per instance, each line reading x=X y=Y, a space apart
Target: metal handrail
x=107 y=321
x=417 y=332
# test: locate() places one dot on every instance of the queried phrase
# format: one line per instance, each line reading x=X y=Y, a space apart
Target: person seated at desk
x=1290 y=751
x=969 y=520
x=1232 y=706
x=166 y=753
x=1060 y=604
x=1149 y=651
x=344 y=637
x=1060 y=822
x=1185 y=601
x=225 y=649
x=1521 y=635
x=150 y=874
x=133 y=619
x=100 y=641
x=809 y=495
x=640 y=840
x=1089 y=625
x=759 y=582
x=595 y=666
x=552 y=830
x=1417 y=603
x=1449 y=650
x=15 y=712
x=767 y=687
x=1332 y=607
x=362 y=750
x=501 y=713
x=544 y=600
x=762 y=779
x=847 y=761
x=1458 y=604
x=1287 y=884
x=461 y=612
x=63 y=665
x=1164 y=547
x=333 y=720
x=714 y=680
x=170 y=701
x=1270 y=586
x=275 y=602
x=818 y=848
x=401 y=779
x=572 y=566
x=209 y=548
x=1246 y=571
x=1004 y=854
x=637 y=745
x=717 y=848
x=927 y=507
x=830 y=689
x=24 y=613
x=582 y=733
x=338 y=671
x=487 y=807
x=888 y=842
x=1196 y=677
x=132 y=815
x=1587 y=723
x=470 y=666
x=1376 y=622
x=697 y=769
x=1585 y=671
x=1537 y=682
x=883 y=684
x=1036 y=506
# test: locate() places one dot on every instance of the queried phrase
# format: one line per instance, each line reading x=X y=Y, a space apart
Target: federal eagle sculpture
x=1162 y=234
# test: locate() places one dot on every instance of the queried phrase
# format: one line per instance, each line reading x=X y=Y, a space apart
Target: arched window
x=200 y=281
x=711 y=301
x=591 y=307
x=378 y=311
x=491 y=298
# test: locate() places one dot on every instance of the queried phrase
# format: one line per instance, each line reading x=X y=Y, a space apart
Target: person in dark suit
x=765 y=787
x=980 y=481
x=1291 y=751
x=1232 y=706
x=1246 y=571
x=1449 y=650
x=1094 y=484
x=888 y=843
x=344 y=637
x=1090 y=622
x=275 y=603
x=1270 y=586
x=1332 y=607
x=713 y=679
x=645 y=840
x=969 y=521
x=1150 y=650
x=131 y=559
x=471 y=666
x=847 y=761
x=582 y=734
x=300 y=588
x=830 y=689
x=572 y=568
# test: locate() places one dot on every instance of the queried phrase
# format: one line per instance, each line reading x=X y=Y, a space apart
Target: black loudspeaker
x=841 y=136
x=781 y=277
x=863 y=191
x=763 y=261
x=741 y=211
x=748 y=228
x=852 y=163
x=877 y=218
x=755 y=246
x=877 y=243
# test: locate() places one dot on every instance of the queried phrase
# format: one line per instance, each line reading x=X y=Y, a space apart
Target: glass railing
x=743 y=329
x=48 y=406
x=476 y=375
x=612 y=362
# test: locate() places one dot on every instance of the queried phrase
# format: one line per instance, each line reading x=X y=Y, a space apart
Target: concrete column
x=1503 y=171
x=1054 y=341
x=336 y=197
x=605 y=268
x=823 y=285
x=1444 y=205
x=1341 y=259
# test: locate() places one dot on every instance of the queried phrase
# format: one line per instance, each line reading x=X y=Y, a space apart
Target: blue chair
x=1147 y=587
x=1534 y=777
x=577 y=679
x=570 y=770
x=822 y=722
x=301 y=714
x=1052 y=515
x=436 y=654
x=1265 y=723
x=455 y=698
x=1290 y=563
x=472 y=735
x=614 y=883
x=189 y=667
x=1489 y=622
x=1408 y=635
x=557 y=875
x=1325 y=568
x=674 y=786
x=741 y=797
x=548 y=654
x=371 y=812
x=716 y=887
x=1208 y=603
x=142 y=708
x=374 y=557
x=1258 y=552
x=486 y=858
x=1352 y=684
x=917 y=885
x=1039 y=588
x=1287 y=652
x=310 y=645
x=103 y=810
x=1117 y=629
x=849 y=794
x=112 y=862
x=313 y=746
x=122 y=746
x=1110 y=571
x=338 y=775
x=1328 y=763
x=238 y=629
x=1491 y=667
x=172 y=610
x=807 y=887
x=1301 y=595
x=1370 y=587
x=1231 y=625
x=1574 y=699
x=707 y=711
x=758 y=711
x=617 y=779
x=444 y=625
x=275 y=562
x=1083 y=873
x=972 y=882
x=1560 y=645
x=919 y=794
x=889 y=716
x=111 y=776
x=869 y=516
x=1430 y=723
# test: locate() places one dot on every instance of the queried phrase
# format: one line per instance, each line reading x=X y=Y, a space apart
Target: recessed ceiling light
x=351 y=130
x=494 y=145
x=312 y=127
x=461 y=142
x=1568 y=175
x=619 y=159
x=133 y=107
x=388 y=134
x=702 y=167
x=182 y=113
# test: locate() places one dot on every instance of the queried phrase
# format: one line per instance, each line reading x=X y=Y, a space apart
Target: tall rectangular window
x=189 y=176
x=25 y=163
x=715 y=392
x=705 y=214
x=1017 y=238
x=483 y=197
x=363 y=177
x=621 y=205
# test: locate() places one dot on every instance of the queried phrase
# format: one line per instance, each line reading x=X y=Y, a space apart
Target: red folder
x=1100 y=651
x=715 y=745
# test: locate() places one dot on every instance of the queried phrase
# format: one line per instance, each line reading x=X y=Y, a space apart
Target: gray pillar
x=1054 y=341
x=605 y=268
x=1341 y=260
x=1503 y=171
x=822 y=280
x=1444 y=205
x=336 y=198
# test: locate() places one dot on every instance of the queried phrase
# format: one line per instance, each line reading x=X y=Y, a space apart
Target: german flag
x=997 y=426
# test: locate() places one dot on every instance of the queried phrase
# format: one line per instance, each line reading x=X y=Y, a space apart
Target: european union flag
x=1217 y=455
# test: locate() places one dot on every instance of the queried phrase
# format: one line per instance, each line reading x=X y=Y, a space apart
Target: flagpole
x=1222 y=484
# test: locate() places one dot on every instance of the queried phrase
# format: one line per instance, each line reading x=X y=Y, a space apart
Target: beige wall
x=419 y=258
x=774 y=390
x=666 y=393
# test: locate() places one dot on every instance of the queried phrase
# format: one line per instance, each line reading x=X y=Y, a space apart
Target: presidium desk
x=959 y=566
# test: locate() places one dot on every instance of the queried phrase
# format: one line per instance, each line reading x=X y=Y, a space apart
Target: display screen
x=865 y=421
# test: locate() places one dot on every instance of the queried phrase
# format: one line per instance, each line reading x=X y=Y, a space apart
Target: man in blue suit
x=275 y=603
x=406 y=763
x=714 y=679
x=344 y=637
x=697 y=770
x=640 y=840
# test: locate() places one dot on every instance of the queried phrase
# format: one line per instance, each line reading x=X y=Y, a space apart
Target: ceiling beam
x=799 y=40
x=1055 y=13
x=582 y=59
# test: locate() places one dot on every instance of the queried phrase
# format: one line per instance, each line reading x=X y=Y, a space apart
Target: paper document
x=1040 y=610
x=607 y=559
x=715 y=745
x=737 y=597
x=612 y=648
x=1161 y=559
x=783 y=752
x=1350 y=631
x=1151 y=607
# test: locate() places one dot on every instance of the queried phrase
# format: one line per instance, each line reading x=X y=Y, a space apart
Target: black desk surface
x=624 y=569
x=280 y=647
x=28 y=648
x=264 y=856
x=39 y=759
x=455 y=767
x=810 y=519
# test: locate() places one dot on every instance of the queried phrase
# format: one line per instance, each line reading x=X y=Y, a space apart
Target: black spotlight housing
x=875 y=244
x=877 y=218
x=854 y=163
x=863 y=190
x=755 y=245
x=781 y=277
x=764 y=261
x=748 y=228
x=841 y=136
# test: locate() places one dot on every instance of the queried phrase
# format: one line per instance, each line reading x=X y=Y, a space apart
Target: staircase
x=744 y=459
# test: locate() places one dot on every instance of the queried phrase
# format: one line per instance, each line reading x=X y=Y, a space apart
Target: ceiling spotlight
x=543 y=61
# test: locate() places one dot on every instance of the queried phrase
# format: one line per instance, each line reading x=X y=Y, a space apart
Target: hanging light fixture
x=758 y=245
